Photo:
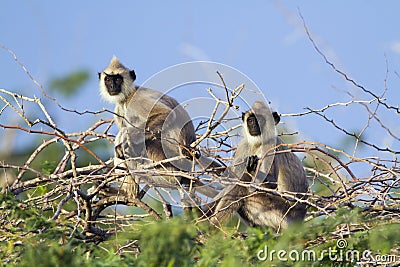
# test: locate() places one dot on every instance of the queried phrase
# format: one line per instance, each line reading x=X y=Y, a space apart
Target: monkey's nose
x=113 y=90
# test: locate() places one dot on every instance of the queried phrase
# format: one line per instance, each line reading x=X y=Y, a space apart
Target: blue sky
x=263 y=39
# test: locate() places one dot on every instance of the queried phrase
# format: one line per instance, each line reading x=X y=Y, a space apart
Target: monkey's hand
x=190 y=152
x=119 y=152
x=252 y=163
x=120 y=139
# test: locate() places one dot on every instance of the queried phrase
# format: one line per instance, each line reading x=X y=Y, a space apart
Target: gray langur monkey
x=286 y=174
x=151 y=126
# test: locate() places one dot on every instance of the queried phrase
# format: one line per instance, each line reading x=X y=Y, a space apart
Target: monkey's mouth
x=114 y=92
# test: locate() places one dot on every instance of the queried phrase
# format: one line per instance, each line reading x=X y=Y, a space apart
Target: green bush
x=29 y=239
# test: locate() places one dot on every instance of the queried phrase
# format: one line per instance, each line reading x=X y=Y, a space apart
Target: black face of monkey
x=252 y=125
x=113 y=83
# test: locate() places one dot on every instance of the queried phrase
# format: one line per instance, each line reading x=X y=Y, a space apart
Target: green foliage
x=222 y=249
x=52 y=255
x=48 y=167
x=27 y=232
x=383 y=239
x=69 y=84
x=19 y=216
x=167 y=243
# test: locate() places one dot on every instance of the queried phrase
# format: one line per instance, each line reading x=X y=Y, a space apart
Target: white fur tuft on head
x=116 y=66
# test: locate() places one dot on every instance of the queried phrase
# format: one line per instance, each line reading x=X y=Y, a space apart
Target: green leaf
x=69 y=84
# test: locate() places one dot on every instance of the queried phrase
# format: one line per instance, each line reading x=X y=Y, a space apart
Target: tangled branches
x=83 y=195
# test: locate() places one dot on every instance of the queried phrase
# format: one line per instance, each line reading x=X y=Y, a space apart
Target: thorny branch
x=230 y=97
x=342 y=73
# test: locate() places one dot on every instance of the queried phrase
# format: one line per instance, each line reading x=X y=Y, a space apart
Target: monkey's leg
x=230 y=203
x=125 y=149
x=261 y=209
x=234 y=199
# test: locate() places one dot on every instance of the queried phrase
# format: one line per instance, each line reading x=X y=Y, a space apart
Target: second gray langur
x=286 y=174
x=151 y=124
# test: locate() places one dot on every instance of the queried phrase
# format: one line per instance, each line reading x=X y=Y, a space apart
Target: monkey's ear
x=276 y=116
x=243 y=114
x=99 y=75
x=133 y=74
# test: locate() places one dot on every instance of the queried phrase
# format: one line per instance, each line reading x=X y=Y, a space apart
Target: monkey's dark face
x=252 y=125
x=113 y=83
x=255 y=123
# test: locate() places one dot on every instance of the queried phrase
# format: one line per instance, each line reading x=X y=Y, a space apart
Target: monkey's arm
x=129 y=143
x=129 y=147
x=290 y=171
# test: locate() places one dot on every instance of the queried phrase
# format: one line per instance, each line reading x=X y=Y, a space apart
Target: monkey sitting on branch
x=153 y=128
x=281 y=171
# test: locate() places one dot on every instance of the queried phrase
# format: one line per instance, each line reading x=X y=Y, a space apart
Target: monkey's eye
x=107 y=79
x=118 y=80
x=251 y=120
